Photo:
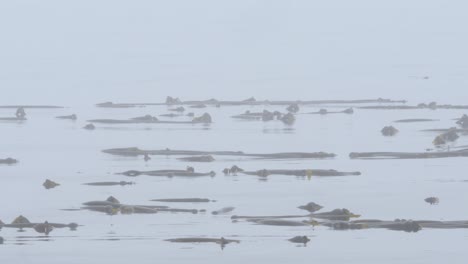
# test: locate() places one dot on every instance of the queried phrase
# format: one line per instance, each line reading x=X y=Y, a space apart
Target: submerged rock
x=89 y=127
x=48 y=184
x=267 y=115
x=323 y=111
x=21 y=220
x=311 y=207
x=300 y=239
x=250 y=100
x=171 y=100
x=438 y=141
x=20 y=113
x=293 y=108
x=463 y=121
x=8 y=161
x=44 y=228
x=233 y=170
x=288 y=119
x=432 y=200
x=389 y=131
x=112 y=199
x=205 y=118
x=449 y=136
x=178 y=109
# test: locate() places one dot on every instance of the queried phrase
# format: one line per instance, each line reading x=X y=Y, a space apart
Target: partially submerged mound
x=463 y=121
x=389 y=131
x=311 y=207
x=21 y=220
x=205 y=118
x=449 y=136
x=207 y=158
x=48 y=184
x=8 y=161
x=70 y=117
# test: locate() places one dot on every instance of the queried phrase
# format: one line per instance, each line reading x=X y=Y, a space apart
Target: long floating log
x=120 y=183
x=32 y=106
x=415 y=120
x=8 y=161
x=183 y=200
x=148 y=119
x=133 y=151
x=13 y=119
x=409 y=155
x=168 y=173
x=442 y=130
x=308 y=172
x=249 y=102
x=432 y=106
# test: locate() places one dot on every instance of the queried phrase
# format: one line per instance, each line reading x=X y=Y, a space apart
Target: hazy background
x=76 y=52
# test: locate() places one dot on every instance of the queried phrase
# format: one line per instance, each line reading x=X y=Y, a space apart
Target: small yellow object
x=314 y=223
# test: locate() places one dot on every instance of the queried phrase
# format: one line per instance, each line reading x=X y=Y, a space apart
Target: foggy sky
x=88 y=51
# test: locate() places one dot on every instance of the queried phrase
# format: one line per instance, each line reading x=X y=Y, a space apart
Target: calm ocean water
x=60 y=150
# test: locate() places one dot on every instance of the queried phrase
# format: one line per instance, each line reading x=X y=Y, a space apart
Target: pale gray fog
x=280 y=175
